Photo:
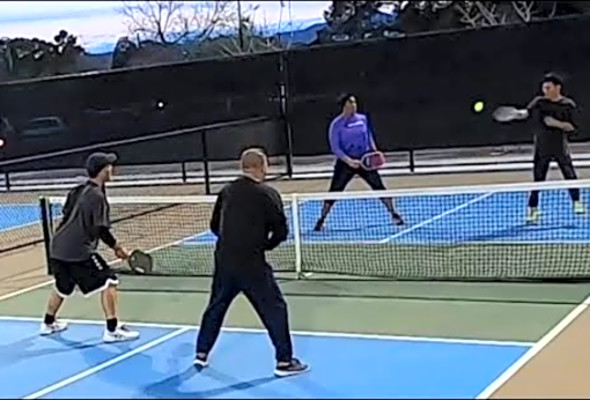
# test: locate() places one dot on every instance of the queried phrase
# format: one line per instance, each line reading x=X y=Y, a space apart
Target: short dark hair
x=553 y=78
x=344 y=98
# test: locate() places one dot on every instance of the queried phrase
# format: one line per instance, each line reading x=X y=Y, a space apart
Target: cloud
x=30 y=10
x=98 y=24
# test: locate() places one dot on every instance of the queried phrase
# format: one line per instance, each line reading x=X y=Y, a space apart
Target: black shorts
x=91 y=276
x=343 y=174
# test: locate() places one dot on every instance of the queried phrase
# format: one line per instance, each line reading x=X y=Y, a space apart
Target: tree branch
x=170 y=22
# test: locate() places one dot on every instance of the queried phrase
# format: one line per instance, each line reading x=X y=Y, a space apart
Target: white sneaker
x=201 y=362
x=56 y=326
x=121 y=334
x=579 y=207
x=533 y=215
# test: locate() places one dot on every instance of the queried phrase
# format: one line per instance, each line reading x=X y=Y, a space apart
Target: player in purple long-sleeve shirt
x=350 y=138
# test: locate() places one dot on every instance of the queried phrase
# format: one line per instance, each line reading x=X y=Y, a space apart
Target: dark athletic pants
x=541 y=167
x=343 y=174
x=258 y=284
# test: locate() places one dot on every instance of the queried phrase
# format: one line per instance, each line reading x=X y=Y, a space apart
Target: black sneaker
x=200 y=362
x=295 y=367
x=397 y=219
x=319 y=225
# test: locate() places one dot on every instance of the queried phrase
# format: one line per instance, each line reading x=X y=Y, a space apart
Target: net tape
x=451 y=233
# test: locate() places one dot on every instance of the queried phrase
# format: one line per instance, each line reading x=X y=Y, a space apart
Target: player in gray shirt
x=74 y=260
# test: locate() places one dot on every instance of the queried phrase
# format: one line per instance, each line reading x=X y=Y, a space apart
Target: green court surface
x=507 y=311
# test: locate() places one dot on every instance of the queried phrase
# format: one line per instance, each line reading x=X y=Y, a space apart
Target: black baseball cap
x=97 y=161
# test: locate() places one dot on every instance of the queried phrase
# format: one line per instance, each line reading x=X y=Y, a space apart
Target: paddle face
x=505 y=114
x=372 y=161
x=140 y=262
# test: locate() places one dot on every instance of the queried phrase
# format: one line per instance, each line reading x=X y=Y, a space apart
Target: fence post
x=183 y=165
x=284 y=111
x=412 y=161
x=206 y=162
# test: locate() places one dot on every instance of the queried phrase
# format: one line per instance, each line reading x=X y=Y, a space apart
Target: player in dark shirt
x=554 y=117
x=248 y=220
x=74 y=260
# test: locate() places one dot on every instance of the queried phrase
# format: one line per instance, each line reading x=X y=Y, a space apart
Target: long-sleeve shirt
x=86 y=219
x=351 y=136
x=248 y=220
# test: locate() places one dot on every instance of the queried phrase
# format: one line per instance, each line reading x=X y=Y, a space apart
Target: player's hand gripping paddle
x=372 y=161
x=140 y=262
x=506 y=114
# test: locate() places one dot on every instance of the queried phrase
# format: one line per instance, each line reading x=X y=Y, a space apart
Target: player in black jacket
x=248 y=220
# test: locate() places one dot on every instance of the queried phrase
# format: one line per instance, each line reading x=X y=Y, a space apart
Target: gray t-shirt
x=86 y=211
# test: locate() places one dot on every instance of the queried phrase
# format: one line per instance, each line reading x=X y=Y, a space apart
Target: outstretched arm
x=526 y=112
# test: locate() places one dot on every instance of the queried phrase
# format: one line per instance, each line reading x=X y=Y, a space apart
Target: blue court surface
x=14 y=216
x=436 y=219
x=76 y=364
x=439 y=219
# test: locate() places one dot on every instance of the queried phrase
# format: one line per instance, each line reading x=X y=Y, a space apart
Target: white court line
x=536 y=349
x=461 y=242
x=367 y=336
x=104 y=365
x=467 y=242
x=25 y=290
x=435 y=218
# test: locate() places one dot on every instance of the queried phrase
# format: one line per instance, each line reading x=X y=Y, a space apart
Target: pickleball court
x=435 y=339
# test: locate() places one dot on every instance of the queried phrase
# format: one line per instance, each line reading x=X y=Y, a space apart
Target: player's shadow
x=519 y=232
x=139 y=364
x=349 y=232
x=21 y=350
x=170 y=387
x=143 y=368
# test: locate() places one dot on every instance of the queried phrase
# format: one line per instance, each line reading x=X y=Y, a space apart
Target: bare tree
x=248 y=36
x=491 y=13
x=417 y=16
x=171 y=22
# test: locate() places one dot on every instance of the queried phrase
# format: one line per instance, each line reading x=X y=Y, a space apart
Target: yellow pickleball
x=478 y=106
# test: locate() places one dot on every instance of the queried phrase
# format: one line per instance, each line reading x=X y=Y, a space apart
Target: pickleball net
x=470 y=233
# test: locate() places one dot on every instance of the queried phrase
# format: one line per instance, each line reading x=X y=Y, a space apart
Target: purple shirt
x=351 y=136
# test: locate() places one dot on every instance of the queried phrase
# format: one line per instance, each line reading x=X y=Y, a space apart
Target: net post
x=412 y=161
x=46 y=217
x=296 y=235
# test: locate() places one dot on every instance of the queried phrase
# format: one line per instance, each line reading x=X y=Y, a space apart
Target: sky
x=98 y=24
